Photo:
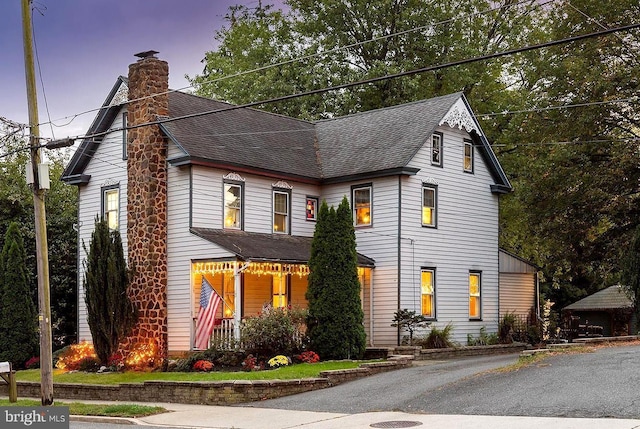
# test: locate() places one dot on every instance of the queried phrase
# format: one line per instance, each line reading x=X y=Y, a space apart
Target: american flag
x=209 y=302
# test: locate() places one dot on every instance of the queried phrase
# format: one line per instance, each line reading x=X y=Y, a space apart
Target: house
x=610 y=308
x=203 y=189
x=519 y=287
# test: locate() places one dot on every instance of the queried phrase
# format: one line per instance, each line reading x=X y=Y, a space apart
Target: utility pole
x=42 y=252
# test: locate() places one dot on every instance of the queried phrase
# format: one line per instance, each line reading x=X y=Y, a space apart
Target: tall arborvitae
x=18 y=316
x=110 y=313
x=335 y=318
x=631 y=273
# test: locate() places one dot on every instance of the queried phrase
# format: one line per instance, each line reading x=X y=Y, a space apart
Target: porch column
x=237 y=293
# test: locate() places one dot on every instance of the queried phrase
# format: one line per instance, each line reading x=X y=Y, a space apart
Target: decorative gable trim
x=282 y=184
x=430 y=181
x=459 y=116
x=121 y=96
x=233 y=176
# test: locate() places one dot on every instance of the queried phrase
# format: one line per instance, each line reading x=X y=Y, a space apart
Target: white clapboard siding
x=517 y=293
x=466 y=237
x=106 y=168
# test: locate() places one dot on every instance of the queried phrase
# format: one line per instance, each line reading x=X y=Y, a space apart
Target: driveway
x=600 y=384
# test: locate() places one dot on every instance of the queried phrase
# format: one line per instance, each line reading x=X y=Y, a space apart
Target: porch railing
x=222 y=335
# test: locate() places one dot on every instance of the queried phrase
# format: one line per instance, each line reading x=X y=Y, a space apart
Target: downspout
x=399 y=248
x=371 y=318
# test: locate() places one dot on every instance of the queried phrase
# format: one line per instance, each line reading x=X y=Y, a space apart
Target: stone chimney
x=147 y=205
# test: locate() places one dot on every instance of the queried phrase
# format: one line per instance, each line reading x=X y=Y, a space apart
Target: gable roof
x=371 y=144
x=254 y=246
x=606 y=299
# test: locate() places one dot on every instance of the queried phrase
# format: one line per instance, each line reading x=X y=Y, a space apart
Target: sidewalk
x=220 y=417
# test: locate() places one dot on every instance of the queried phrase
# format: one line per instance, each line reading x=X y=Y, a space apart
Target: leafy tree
x=409 y=320
x=16 y=205
x=110 y=312
x=631 y=273
x=335 y=321
x=18 y=317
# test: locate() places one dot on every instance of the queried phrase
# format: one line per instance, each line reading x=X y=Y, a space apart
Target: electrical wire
x=374 y=80
x=635 y=98
x=306 y=57
x=35 y=46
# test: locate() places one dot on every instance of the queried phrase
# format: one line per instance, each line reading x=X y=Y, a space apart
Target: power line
x=306 y=57
x=564 y=106
x=376 y=79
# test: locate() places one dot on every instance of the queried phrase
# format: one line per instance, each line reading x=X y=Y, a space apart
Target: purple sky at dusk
x=84 y=45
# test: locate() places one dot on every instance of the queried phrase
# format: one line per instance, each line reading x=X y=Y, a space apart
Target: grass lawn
x=79 y=409
x=302 y=370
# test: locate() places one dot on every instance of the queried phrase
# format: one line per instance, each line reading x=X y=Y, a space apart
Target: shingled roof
x=365 y=145
x=254 y=246
x=606 y=299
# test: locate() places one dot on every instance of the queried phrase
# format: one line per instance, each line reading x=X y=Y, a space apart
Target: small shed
x=610 y=308
x=518 y=285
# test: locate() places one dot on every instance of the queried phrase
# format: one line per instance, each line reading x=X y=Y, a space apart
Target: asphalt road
x=605 y=383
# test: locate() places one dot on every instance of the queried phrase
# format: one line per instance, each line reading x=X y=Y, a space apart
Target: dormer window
x=436 y=149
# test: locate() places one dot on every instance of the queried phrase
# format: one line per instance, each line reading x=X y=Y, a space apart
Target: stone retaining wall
x=208 y=393
x=453 y=352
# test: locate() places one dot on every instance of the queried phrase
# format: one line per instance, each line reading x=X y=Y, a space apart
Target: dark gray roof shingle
x=265 y=247
x=606 y=299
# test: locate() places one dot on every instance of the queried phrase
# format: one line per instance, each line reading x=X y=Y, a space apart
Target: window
x=474 y=296
x=111 y=205
x=429 y=205
x=232 y=206
x=280 y=299
x=281 y=212
x=312 y=208
x=362 y=205
x=124 y=136
x=468 y=156
x=436 y=149
x=427 y=290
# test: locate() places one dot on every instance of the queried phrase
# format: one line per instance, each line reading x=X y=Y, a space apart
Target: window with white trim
x=312 y=208
x=436 y=149
x=428 y=292
x=232 y=206
x=475 y=302
x=468 y=156
x=280 y=212
x=429 y=203
x=279 y=290
x=111 y=206
x=361 y=197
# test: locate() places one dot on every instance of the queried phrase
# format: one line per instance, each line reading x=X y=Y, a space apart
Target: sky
x=84 y=45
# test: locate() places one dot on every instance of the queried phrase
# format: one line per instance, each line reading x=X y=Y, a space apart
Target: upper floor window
x=281 y=211
x=429 y=201
x=436 y=149
x=428 y=292
x=232 y=206
x=111 y=206
x=362 y=205
x=468 y=156
x=124 y=136
x=475 y=307
x=312 y=208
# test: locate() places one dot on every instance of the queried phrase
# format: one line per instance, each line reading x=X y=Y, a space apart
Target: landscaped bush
x=251 y=363
x=278 y=361
x=70 y=357
x=203 y=366
x=307 y=357
x=514 y=328
x=483 y=339
x=274 y=331
x=438 y=338
x=33 y=363
x=89 y=364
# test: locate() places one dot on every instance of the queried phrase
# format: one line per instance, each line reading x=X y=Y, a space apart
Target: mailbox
x=5 y=367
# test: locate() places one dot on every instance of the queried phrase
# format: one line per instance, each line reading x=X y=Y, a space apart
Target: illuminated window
x=111 y=205
x=312 y=208
x=281 y=212
x=280 y=290
x=429 y=205
x=474 y=296
x=362 y=205
x=427 y=289
x=468 y=156
x=436 y=149
x=232 y=206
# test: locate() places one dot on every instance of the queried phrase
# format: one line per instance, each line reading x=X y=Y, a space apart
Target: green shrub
x=438 y=338
x=89 y=364
x=483 y=339
x=274 y=331
x=409 y=320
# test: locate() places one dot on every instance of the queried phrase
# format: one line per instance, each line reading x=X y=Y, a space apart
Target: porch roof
x=253 y=246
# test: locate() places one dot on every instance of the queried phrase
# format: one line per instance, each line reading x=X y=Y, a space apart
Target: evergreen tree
x=110 y=312
x=631 y=273
x=334 y=324
x=18 y=317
